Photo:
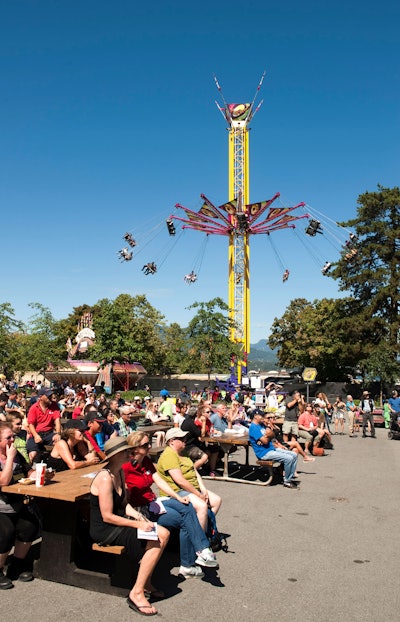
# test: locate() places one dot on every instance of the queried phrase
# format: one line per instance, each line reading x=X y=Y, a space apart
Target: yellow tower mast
x=238 y=219
x=239 y=250
x=239 y=117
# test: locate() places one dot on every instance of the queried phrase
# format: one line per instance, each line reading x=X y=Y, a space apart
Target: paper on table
x=90 y=475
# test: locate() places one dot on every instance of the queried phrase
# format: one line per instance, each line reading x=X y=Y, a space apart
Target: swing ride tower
x=238 y=117
x=238 y=219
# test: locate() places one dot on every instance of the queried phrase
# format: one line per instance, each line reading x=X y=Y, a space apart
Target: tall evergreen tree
x=372 y=273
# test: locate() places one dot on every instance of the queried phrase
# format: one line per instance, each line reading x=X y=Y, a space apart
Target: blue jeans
x=289 y=459
x=191 y=536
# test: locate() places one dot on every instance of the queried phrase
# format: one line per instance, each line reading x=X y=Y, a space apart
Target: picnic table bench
x=66 y=552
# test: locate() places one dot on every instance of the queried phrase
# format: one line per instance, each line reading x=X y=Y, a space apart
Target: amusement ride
x=238 y=220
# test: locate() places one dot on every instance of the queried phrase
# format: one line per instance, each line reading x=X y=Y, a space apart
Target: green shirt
x=166 y=410
x=169 y=460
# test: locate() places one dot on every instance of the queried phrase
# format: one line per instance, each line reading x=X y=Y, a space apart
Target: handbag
x=216 y=540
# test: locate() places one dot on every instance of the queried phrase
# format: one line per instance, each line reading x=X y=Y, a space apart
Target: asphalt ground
x=327 y=551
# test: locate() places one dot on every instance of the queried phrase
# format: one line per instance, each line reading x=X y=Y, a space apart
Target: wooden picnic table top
x=156 y=427
x=231 y=439
x=70 y=485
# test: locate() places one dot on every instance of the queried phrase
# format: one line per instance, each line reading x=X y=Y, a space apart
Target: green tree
x=128 y=329
x=9 y=325
x=39 y=347
x=176 y=349
x=380 y=364
x=314 y=334
x=372 y=273
x=210 y=348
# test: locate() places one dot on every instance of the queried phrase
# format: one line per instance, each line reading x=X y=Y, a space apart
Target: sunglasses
x=144 y=445
x=8 y=438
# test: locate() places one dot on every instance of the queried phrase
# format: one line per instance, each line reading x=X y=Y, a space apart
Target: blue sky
x=107 y=119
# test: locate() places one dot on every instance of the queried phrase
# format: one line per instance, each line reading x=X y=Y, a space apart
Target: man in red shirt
x=43 y=423
x=309 y=428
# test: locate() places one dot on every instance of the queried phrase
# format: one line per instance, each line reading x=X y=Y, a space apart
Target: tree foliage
x=128 y=329
x=38 y=347
x=372 y=275
x=314 y=334
x=210 y=348
x=9 y=325
x=176 y=349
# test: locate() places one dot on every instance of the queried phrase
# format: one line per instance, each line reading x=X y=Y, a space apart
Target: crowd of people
x=77 y=427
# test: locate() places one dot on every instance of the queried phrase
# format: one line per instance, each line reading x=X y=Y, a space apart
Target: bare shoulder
x=102 y=481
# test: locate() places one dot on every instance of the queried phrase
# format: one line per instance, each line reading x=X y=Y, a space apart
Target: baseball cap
x=175 y=433
x=75 y=424
x=95 y=416
x=46 y=392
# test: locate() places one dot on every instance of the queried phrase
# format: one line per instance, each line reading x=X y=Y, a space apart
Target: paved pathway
x=326 y=552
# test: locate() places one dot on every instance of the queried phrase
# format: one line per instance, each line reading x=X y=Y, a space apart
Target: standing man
x=164 y=392
x=367 y=408
x=184 y=396
x=351 y=412
x=291 y=415
x=43 y=423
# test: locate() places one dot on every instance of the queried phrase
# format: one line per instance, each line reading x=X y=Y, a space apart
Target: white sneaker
x=191 y=572
x=207 y=558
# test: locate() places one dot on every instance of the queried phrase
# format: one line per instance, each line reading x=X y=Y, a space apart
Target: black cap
x=75 y=424
x=257 y=411
x=46 y=392
x=94 y=416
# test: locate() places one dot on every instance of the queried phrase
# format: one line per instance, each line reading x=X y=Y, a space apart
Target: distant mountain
x=261 y=356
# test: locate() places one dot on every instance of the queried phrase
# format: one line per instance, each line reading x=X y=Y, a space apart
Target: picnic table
x=229 y=440
x=156 y=427
x=65 y=550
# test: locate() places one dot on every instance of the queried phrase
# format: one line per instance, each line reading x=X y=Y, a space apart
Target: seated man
x=221 y=419
x=137 y=406
x=313 y=434
x=261 y=439
x=43 y=423
x=125 y=425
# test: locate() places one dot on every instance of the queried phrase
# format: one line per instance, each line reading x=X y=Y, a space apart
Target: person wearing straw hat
x=112 y=521
x=367 y=407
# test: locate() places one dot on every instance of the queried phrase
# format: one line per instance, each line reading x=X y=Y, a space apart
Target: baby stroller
x=394 y=430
